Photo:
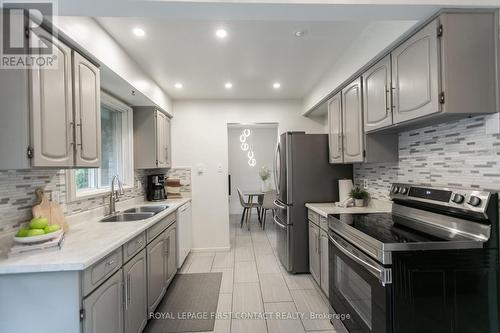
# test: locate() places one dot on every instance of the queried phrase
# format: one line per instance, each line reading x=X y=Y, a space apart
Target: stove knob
x=395 y=189
x=403 y=190
x=474 y=201
x=458 y=198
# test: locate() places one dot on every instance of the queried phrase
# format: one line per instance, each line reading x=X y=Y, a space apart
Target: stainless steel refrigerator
x=302 y=174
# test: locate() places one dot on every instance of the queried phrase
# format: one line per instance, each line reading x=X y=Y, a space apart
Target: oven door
x=359 y=287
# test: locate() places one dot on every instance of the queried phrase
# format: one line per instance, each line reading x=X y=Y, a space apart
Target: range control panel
x=459 y=198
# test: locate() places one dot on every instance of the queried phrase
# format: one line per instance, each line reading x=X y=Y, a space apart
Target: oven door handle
x=383 y=274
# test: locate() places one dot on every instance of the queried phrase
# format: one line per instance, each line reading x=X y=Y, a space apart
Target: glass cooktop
x=384 y=227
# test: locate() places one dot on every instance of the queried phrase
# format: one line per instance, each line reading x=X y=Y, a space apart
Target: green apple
x=51 y=228
x=39 y=223
x=23 y=232
x=35 y=232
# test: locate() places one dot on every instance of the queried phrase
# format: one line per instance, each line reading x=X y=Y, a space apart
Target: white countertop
x=374 y=206
x=88 y=240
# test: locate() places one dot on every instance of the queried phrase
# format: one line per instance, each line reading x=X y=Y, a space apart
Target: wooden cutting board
x=49 y=209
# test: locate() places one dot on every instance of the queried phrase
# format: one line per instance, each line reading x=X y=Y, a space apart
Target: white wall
x=200 y=139
x=372 y=41
x=243 y=175
x=95 y=40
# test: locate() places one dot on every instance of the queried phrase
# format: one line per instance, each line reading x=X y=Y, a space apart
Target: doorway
x=251 y=150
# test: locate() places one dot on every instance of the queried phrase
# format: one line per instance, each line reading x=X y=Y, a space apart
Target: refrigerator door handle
x=276 y=171
x=279 y=224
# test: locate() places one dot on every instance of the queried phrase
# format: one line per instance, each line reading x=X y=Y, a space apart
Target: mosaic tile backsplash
x=17 y=196
x=459 y=153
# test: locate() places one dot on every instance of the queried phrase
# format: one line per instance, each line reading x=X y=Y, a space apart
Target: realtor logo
x=23 y=42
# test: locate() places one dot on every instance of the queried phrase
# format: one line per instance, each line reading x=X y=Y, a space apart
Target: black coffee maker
x=156 y=188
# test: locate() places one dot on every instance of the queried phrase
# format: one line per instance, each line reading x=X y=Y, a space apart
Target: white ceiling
x=252 y=57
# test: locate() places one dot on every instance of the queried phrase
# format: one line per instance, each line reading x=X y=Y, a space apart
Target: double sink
x=135 y=214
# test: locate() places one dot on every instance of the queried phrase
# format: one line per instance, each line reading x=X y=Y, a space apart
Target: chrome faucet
x=113 y=197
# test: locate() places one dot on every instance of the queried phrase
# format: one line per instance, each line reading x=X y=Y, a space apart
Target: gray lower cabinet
x=157 y=271
x=104 y=307
x=318 y=250
x=172 y=254
x=314 y=260
x=161 y=265
x=135 y=287
x=323 y=254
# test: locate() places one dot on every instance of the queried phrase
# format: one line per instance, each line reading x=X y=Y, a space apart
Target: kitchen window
x=116 y=153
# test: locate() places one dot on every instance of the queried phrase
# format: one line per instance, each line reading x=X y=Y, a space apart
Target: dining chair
x=267 y=204
x=247 y=209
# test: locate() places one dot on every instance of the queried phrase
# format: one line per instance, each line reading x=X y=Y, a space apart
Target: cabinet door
x=136 y=304
x=352 y=116
x=168 y=144
x=323 y=252
x=415 y=75
x=335 y=128
x=51 y=107
x=87 y=112
x=377 y=104
x=157 y=270
x=104 y=307
x=172 y=254
x=161 y=140
x=314 y=251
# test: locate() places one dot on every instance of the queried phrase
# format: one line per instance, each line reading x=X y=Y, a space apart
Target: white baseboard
x=211 y=249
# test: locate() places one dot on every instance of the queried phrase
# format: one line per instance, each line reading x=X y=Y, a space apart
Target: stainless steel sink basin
x=127 y=217
x=147 y=209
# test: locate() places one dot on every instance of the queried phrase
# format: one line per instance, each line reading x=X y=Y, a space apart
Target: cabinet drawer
x=159 y=227
x=100 y=271
x=313 y=216
x=323 y=223
x=133 y=246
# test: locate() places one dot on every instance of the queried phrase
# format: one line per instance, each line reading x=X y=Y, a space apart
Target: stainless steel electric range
x=431 y=265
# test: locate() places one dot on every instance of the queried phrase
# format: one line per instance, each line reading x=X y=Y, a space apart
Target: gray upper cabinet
x=87 y=112
x=352 y=124
x=50 y=116
x=52 y=108
x=415 y=75
x=135 y=287
x=104 y=307
x=152 y=140
x=377 y=102
x=335 y=129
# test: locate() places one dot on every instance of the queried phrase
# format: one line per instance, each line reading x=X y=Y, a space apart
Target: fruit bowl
x=38 y=239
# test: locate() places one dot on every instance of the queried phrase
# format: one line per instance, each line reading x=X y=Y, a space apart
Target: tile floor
x=254 y=281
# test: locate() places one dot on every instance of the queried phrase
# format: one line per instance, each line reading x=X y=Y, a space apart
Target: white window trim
x=127 y=154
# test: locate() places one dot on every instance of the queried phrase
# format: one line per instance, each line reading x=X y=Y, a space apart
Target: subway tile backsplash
x=17 y=193
x=459 y=153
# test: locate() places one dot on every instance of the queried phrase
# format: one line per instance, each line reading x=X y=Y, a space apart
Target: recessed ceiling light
x=276 y=85
x=228 y=85
x=178 y=85
x=221 y=33
x=139 y=32
x=300 y=33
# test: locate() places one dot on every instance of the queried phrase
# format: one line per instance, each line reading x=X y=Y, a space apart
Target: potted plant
x=265 y=174
x=359 y=195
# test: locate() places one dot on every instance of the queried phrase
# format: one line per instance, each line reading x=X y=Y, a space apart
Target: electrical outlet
x=365 y=183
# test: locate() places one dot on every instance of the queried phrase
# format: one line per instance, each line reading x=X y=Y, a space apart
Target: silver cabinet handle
x=110 y=262
x=129 y=289
x=384 y=275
